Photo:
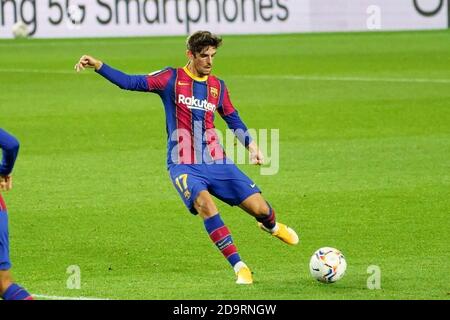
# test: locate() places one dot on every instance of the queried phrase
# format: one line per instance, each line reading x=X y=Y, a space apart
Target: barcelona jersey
x=9 y=147
x=190 y=105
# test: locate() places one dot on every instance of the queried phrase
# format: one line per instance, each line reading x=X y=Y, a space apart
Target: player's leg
x=265 y=215
x=8 y=289
x=205 y=206
x=192 y=187
x=5 y=281
x=220 y=235
x=232 y=186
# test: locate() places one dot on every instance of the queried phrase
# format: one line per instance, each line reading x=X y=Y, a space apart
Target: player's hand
x=88 y=62
x=5 y=183
x=256 y=156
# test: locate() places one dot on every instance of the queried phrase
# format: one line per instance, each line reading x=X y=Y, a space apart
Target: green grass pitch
x=364 y=123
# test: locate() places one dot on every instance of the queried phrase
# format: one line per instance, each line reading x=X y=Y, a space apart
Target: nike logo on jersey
x=181 y=83
x=194 y=103
x=253 y=185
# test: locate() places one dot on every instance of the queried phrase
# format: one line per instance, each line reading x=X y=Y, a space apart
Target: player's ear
x=189 y=54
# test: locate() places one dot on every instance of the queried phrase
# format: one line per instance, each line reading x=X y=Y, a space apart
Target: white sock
x=238 y=266
x=274 y=229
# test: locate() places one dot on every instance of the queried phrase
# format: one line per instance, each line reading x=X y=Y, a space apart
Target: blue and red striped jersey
x=190 y=104
x=10 y=148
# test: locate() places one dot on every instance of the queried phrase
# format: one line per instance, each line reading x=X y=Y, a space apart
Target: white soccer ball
x=20 y=30
x=327 y=265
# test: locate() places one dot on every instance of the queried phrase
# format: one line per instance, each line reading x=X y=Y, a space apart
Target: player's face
x=203 y=61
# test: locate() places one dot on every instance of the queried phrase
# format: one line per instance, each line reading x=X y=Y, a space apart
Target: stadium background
x=364 y=144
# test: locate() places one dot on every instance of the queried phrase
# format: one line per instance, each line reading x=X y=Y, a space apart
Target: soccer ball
x=327 y=265
x=20 y=30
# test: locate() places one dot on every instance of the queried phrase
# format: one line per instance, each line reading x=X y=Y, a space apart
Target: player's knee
x=206 y=208
x=205 y=205
x=5 y=281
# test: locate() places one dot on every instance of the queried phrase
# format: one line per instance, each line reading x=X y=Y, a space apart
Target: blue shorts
x=5 y=264
x=224 y=181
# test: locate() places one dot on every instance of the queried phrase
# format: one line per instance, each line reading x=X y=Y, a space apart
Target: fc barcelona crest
x=214 y=92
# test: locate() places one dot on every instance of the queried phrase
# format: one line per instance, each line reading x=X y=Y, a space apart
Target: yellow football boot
x=282 y=232
x=244 y=276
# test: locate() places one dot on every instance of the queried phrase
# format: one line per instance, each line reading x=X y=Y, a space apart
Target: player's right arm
x=10 y=149
x=122 y=80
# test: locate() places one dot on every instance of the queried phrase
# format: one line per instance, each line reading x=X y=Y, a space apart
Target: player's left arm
x=10 y=149
x=231 y=116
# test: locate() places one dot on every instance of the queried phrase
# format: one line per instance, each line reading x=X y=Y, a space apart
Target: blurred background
x=113 y=18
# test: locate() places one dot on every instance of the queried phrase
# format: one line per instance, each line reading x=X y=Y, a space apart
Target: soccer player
x=197 y=164
x=8 y=289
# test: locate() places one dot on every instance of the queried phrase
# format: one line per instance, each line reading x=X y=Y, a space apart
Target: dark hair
x=199 y=40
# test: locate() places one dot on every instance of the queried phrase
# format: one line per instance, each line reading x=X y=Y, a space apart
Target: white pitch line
x=65 y=298
x=265 y=77
x=344 y=78
x=43 y=71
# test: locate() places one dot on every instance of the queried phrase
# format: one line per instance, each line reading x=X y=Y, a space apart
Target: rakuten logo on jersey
x=194 y=103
